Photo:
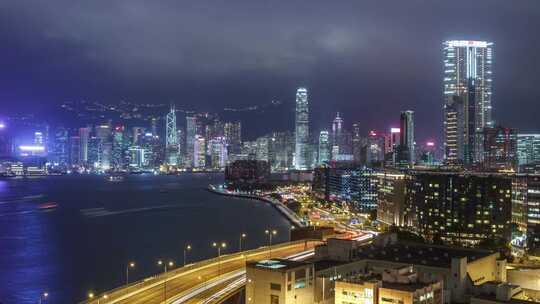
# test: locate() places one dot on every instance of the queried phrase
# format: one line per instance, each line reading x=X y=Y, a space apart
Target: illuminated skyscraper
x=191 y=132
x=302 y=157
x=84 y=135
x=467 y=94
x=324 y=147
x=337 y=137
x=171 y=138
x=407 y=136
x=199 y=152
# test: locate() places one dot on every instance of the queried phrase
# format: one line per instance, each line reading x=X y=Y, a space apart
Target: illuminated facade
x=500 y=149
x=467 y=99
x=171 y=138
x=191 y=132
x=302 y=155
x=391 y=198
x=199 y=152
x=407 y=136
x=324 y=147
x=528 y=148
x=337 y=137
x=459 y=208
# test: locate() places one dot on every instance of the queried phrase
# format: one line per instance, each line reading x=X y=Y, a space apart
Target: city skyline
x=357 y=55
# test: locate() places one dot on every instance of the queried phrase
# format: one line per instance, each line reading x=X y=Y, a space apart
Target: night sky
x=368 y=59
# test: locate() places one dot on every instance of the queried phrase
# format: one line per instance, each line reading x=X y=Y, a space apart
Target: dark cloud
x=368 y=59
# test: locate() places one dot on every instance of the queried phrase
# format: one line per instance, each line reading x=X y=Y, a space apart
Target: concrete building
x=391 y=198
x=459 y=270
x=277 y=281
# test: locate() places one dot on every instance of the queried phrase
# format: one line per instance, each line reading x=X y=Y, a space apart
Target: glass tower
x=467 y=99
x=302 y=130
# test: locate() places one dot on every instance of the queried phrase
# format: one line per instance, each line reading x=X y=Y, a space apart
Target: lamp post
x=128 y=266
x=270 y=233
x=242 y=236
x=186 y=249
x=291 y=228
x=43 y=296
x=169 y=264
x=219 y=246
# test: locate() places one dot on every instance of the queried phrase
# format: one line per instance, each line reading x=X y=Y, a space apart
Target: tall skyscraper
x=191 y=132
x=171 y=138
x=337 y=137
x=302 y=161
x=467 y=94
x=324 y=147
x=407 y=135
x=233 y=135
x=84 y=135
x=199 y=152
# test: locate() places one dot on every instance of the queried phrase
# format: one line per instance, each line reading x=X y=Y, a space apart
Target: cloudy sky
x=368 y=59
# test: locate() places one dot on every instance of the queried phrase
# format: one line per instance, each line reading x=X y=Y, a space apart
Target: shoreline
x=280 y=207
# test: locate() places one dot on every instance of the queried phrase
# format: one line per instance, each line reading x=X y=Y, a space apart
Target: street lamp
x=128 y=266
x=219 y=246
x=242 y=236
x=169 y=264
x=186 y=249
x=43 y=296
x=270 y=234
x=291 y=228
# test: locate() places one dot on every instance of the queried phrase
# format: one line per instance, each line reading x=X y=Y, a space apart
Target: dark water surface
x=98 y=226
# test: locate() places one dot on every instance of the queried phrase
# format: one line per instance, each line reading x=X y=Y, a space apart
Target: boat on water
x=115 y=178
x=47 y=206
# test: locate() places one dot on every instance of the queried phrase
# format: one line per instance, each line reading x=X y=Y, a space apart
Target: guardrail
x=121 y=292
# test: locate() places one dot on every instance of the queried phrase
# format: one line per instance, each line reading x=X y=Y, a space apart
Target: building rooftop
x=276 y=264
x=419 y=254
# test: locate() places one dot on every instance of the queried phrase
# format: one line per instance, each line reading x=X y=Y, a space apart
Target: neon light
x=430 y=144
x=32 y=148
x=395 y=130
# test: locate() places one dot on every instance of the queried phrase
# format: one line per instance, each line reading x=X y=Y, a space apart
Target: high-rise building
x=191 y=132
x=104 y=133
x=375 y=149
x=358 y=145
x=467 y=99
x=262 y=148
x=199 y=152
x=84 y=136
x=407 y=135
x=337 y=137
x=301 y=154
x=233 y=135
x=324 y=147
x=218 y=152
x=119 y=145
x=59 y=148
x=171 y=138
x=281 y=151
x=500 y=149
x=459 y=208
x=528 y=148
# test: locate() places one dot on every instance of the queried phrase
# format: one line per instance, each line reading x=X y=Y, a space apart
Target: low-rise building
x=277 y=281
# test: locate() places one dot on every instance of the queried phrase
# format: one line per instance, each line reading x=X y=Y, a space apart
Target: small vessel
x=48 y=206
x=115 y=178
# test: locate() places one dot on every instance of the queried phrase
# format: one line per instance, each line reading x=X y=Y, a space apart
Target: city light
x=395 y=130
x=2 y=125
x=32 y=148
